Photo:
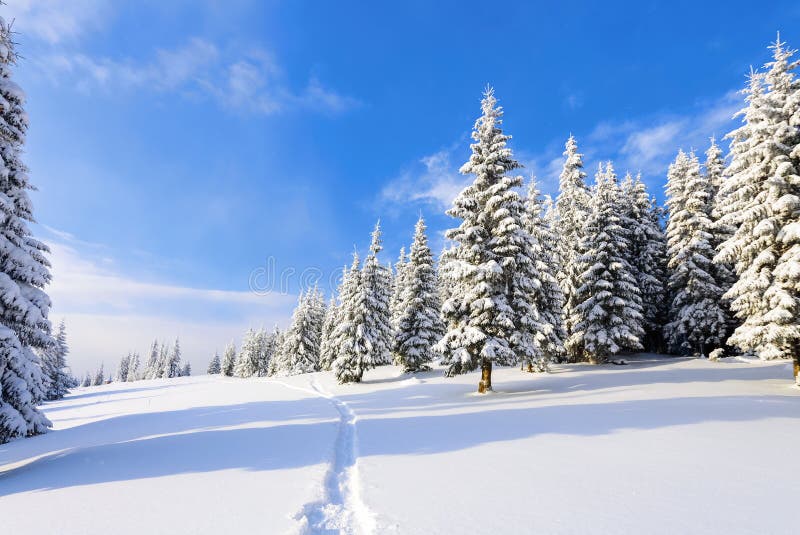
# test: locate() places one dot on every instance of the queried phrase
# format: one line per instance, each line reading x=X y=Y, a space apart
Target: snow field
x=662 y=445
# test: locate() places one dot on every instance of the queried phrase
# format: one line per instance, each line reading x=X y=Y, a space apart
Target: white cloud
x=55 y=21
x=433 y=180
x=649 y=144
x=250 y=81
x=109 y=313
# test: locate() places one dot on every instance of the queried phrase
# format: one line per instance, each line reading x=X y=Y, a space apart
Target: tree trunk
x=797 y=368
x=485 y=385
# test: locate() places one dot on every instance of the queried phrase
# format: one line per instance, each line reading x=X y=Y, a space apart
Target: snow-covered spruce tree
x=302 y=342
x=151 y=367
x=550 y=218
x=54 y=361
x=277 y=361
x=172 y=368
x=549 y=340
x=24 y=269
x=400 y=278
x=762 y=196
x=442 y=267
x=247 y=363
x=482 y=266
x=229 y=359
x=351 y=345
x=163 y=361
x=628 y=225
x=609 y=309
x=186 y=369
x=737 y=210
x=268 y=347
x=376 y=283
x=122 y=369
x=133 y=368
x=724 y=272
x=697 y=319
x=87 y=380
x=215 y=366
x=73 y=382
x=646 y=253
x=281 y=363
x=99 y=377
x=326 y=349
x=572 y=209
x=419 y=324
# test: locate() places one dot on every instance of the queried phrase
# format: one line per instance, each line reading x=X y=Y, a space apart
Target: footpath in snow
x=661 y=445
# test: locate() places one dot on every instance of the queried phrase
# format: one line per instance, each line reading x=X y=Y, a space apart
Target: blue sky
x=183 y=149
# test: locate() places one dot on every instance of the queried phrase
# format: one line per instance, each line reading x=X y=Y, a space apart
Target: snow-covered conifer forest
x=586 y=362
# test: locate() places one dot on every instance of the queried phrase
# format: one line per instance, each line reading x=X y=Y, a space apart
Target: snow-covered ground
x=658 y=446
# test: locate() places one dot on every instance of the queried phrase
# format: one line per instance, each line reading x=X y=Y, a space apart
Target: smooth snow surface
x=661 y=445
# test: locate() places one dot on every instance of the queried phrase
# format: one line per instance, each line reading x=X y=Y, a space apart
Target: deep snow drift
x=658 y=446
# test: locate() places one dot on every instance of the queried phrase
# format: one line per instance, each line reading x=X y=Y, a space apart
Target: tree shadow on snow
x=295 y=445
x=301 y=432
x=107 y=392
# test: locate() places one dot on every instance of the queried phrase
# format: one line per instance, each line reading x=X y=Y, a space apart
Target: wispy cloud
x=56 y=21
x=250 y=81
x=434 y=179
x=648 y=144
x=109 y=313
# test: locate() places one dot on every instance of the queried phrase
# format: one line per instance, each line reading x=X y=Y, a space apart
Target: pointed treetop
x=628 y=179
x=533 y=187
x=420 y=226
x=376 y=247
x=488 y=95
x=489 y=106
x=571 y=145
x=777 y=46
x=612 y=175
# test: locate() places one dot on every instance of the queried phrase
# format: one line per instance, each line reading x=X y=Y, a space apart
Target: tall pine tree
x=549 y=339
x=376 y=283
x=479 y=314
x=215 y=365
x=56 y=358
x=608 y=309
x=646 y=253
x=326 y=347
x=350 y=343
x=229 y=359
x=133 y=368
x=571 y=211
x=697 y=319
x=762 y=205
x=419 y=325
x=24 y=269
x=302 y=343
x=172 y=365
x=247 y=362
